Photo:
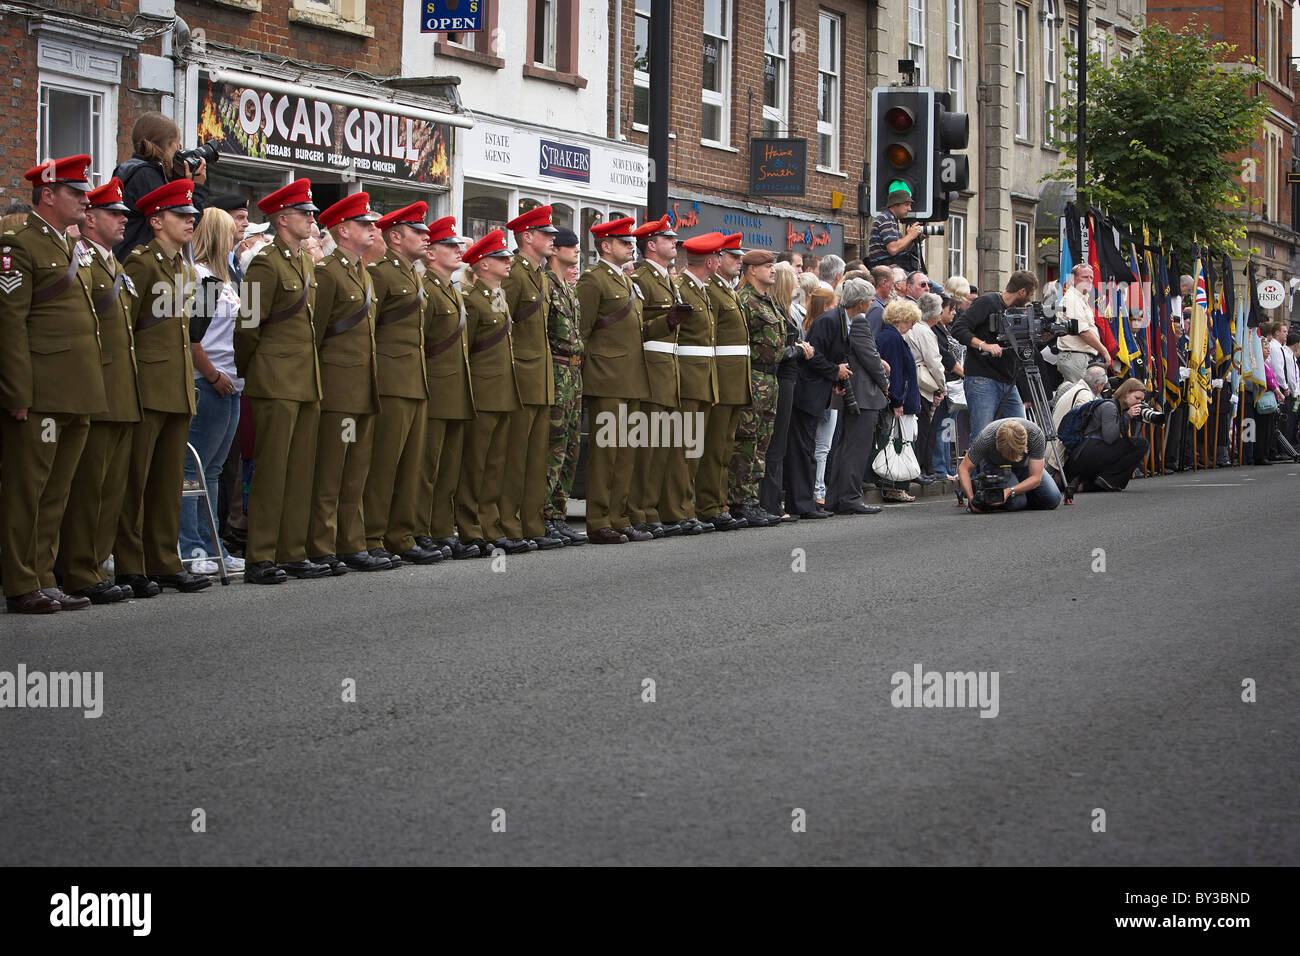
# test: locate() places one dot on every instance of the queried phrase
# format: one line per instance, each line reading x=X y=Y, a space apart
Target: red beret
x=296 y=195
x=614 y=229
x=412 y=215
x=443 y=230
x=175 y=196
x=656 y=227
x=731 y=243
x=70 y=170
x=356 y=206
x=705 y=245
x=108 y=196
x=538 y=218
x=493 y=244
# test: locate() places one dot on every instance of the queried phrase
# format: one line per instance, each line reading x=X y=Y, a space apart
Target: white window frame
x=1272 y=172
x=1020 y=64
x=548 y=11
x=721 y=99
x=830 y=128
x=916 y=36
x=1051 y=61
x=957 y=55
x=780 y=113
x=640 y=78
x=85 y=72
x=957 y=244
x=1020 y=255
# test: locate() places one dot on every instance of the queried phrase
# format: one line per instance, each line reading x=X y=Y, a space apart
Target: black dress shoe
x=419 y=555
x=924 y=479
x=461 y=552
x=547 y=542
x=365 y=561
x=606 y=536
x=756 y=517
x=671 y=528
x=633 y=534
x=394 y=561
x=304 y=570
x=103 y=592
x=689 y=526
x=332 y=562
x=137 y=585
x=484 y=547
x=182 y=581
x=512 y=545
x=652 y=528
x=264 y=572
x=817 y=513
x=704 y=526
x=858 y=508
x=429 y=544
x=788 y=519
x=725 y=521
x=33 y=602
x=66 y=601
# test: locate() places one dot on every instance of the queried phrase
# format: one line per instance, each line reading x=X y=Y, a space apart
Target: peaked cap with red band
x=731 y=243
x=175 y=196
x=614 y=229
x=657 y=227
x=444 y=230
x=412 y=215
x=296 y=195
x=706 y=245
x=109 y=196
x=539 y=218
x=356 y=206
x=70 y=170
x=493 y=244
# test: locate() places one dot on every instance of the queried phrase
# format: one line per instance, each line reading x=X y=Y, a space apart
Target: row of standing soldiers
x=399 y=417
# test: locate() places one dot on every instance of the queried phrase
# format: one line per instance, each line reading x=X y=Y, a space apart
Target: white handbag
x=956 y=393
x=896 y=461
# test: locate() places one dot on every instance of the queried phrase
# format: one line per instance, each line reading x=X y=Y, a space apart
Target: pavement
x=503 y=714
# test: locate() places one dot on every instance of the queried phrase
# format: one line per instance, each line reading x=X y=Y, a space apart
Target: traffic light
x=951 y=171
x=902 y=130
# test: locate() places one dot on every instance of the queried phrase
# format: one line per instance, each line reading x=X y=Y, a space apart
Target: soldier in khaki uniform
x=150 y=523
x=698 y=373
x=523 y=496
x=51 y=381
x=275 y=354
x=95 y=502
x=392 y=498
x=732 y=362
x=613 y=380
x=566 y=413
x=344 y=322
x=492 y=374
x=451 y=401
x=654 y=502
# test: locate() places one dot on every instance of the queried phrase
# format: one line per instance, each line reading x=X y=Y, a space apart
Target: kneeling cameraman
x=1006 y=449
x=1113 y=444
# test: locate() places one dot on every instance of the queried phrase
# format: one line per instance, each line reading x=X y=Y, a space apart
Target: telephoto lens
x=932 y=229
x=207 y=152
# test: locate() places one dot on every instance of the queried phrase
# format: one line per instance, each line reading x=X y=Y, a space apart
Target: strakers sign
x=306 y=131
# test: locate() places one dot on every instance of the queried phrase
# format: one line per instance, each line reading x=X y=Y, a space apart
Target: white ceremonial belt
x=731 y=350
x=654 y=346
x=696 y=351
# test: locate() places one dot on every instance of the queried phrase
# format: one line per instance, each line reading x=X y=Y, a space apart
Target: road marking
x=1233 y=485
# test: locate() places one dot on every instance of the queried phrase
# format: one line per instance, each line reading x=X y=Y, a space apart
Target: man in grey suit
x=869 y=377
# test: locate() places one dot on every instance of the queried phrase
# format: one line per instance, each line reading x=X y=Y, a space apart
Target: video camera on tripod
x=1026 y=328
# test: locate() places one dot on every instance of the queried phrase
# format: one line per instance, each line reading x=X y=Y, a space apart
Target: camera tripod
x=1024 y=361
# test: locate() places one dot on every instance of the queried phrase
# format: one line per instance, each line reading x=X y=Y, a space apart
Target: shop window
x=247 y=180
x=485 y=212
x=562 y=215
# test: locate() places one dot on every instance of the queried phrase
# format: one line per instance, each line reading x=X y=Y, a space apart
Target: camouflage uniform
x=757 y=421
x=566 y=413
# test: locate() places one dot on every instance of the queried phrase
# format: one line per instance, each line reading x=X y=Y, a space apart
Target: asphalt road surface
x=517 y=697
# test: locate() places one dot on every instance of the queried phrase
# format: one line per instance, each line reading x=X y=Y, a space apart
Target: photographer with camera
x=1112 y=444
x=1003 y=469
x=888 y=244
x=157 y=160
x=990 y=381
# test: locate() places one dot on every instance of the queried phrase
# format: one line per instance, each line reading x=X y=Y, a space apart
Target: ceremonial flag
x=1198 y=410
x=1104 y=332
x=1169 y=356
x=1067 y=257
x=1221 y=331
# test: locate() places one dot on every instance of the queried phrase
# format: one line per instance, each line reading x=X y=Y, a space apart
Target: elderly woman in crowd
x=904 y=394
x=922 y=341
x=822 y=300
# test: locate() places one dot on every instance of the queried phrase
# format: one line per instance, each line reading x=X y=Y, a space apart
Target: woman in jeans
x=822 y=300
x=217 y=416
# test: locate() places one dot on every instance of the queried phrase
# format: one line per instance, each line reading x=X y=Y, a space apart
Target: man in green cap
x=888 y=244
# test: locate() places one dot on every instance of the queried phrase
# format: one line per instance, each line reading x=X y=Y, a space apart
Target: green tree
x=1161 y=127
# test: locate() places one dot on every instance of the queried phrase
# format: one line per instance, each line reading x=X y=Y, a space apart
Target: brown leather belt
x=279 y=315
x=396 y=315
x=433 y=351
x=613 y=317
x=105 y=301
x=343 y=325
x=483 y=345
x=61 y=284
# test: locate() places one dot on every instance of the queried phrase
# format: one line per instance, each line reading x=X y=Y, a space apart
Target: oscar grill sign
x=310 y=132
